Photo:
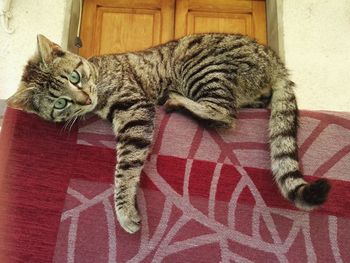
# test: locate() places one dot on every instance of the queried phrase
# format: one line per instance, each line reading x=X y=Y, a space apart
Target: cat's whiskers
x=70 y=122
x=64 y=128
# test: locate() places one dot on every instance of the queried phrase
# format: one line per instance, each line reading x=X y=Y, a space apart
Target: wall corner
x=275 y=32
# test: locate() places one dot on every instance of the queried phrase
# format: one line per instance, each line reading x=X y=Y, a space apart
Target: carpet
x=205 y=196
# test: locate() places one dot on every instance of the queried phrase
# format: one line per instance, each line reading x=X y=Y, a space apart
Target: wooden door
x=110 y=26
x=233 y=16
x=114 y=26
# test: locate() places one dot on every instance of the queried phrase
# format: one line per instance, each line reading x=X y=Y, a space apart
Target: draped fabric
x=205 y=195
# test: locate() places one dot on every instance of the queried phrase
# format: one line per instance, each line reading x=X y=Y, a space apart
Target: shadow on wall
x=2 y=110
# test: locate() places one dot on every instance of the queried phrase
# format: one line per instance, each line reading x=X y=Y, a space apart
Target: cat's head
x=56 y=84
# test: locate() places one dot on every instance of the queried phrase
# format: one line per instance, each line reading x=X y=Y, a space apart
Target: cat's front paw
x=129 y=218
x=172 y=105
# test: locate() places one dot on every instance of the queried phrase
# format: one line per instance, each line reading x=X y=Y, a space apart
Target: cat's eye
x=74 y=77
x=61 y=103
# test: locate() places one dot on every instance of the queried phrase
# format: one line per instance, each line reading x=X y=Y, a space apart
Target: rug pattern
x=205 y=196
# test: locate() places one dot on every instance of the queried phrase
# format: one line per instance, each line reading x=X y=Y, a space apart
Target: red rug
x=206 y=196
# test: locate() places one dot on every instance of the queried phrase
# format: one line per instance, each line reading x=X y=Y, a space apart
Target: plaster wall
x=316 y=44
x=30 y=17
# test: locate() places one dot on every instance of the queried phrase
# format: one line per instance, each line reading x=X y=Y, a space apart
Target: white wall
x=30 y=17
x=317 y=52
x=316 y=44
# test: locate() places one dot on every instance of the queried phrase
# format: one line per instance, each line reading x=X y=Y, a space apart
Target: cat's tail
x=284 y=151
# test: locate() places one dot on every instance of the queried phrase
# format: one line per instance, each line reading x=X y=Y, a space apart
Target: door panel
x=111 y=26
x=120 y=30
x=204 y=22
x=235 y=16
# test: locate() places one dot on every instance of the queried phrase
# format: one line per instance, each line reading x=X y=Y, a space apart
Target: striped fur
x=209 y=76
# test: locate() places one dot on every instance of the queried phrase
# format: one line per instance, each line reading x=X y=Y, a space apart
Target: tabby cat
x=209 y=76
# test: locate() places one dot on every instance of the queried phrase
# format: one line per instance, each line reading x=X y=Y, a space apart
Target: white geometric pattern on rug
x=159 y=242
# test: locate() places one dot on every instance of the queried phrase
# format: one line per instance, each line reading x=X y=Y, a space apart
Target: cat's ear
x=21 y=100
x=48 y=50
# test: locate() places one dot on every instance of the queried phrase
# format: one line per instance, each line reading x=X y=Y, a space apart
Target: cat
x=209 y=76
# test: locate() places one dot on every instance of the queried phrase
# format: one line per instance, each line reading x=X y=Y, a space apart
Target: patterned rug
x=206 y=195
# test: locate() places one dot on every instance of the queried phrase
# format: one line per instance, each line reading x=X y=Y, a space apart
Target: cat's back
x=216 y=44
x=247 y=56
x=219 y=47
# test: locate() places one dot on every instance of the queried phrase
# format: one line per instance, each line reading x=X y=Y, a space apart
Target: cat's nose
x=83 y=99
x=88 y=101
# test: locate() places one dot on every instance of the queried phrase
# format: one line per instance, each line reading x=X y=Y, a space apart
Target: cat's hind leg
x=262 y=101
x=210 y=113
